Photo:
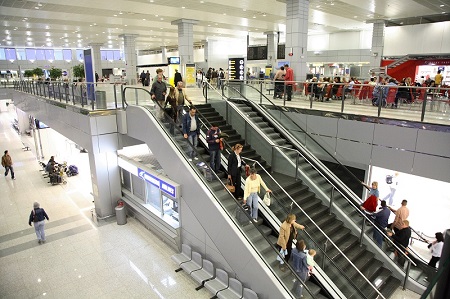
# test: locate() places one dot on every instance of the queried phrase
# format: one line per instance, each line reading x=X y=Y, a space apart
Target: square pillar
x=185 y=40
x=129 y=51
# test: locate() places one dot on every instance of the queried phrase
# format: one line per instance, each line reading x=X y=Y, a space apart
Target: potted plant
x=38 y=72
x=28 y=74
x=55 y=73
x=78 y=71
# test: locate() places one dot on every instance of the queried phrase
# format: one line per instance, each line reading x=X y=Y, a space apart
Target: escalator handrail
x=220 y=203
x=338 y=189
x=318 y=228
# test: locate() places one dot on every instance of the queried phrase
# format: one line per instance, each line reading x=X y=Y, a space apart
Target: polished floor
x=82 y=258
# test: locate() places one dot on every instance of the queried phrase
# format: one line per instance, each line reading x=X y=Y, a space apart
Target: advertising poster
x=89 y=74
x=190 y=75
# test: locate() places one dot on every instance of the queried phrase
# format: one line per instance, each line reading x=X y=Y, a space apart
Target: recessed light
x=39 y=4
x=442 y=5
x=183 y=6
x=202 y=1
x=264 y=15
x=36 y=7
x=244 y=9
x=355 y=17
x=126 y=25
x=162 y=19
x=224 y=14
x=120 y=13
x=115 y=15
x=143 y=19
x=254 y=17
x=209 y=25
x=318 y=6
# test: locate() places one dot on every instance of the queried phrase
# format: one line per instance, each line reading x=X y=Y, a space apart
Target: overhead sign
x=236 y=68
x=161 y=184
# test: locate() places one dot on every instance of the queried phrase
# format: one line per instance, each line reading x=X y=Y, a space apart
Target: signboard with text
x=236 y=68
x=158 y=182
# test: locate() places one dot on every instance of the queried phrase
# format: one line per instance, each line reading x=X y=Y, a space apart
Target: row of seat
x=215 y=280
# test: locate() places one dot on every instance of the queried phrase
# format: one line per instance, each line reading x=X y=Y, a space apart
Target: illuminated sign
x=162 y=185
x=236 y=69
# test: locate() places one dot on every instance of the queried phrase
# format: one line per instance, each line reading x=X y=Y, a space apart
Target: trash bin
x=121 y=215
x=100 y=99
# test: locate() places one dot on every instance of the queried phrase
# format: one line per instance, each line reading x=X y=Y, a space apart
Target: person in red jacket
x=289 y=81
x=370 y=205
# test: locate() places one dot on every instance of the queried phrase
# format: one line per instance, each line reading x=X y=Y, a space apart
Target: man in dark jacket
x=158 y=92
x=7 y=163
x=381 y=219
x=38 y=217
x=191 y=131
x=177 y=78
x=213 y=139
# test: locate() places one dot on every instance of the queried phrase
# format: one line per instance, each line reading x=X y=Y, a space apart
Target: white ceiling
x=63 y=23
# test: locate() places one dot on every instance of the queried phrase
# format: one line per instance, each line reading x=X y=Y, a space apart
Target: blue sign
x=162 y=185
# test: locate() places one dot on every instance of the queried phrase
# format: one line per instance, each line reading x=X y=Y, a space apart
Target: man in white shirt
x=191 y=131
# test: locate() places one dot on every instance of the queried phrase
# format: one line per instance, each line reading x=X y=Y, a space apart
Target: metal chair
x=194 y=264
x=219 y=283
x=204 y=274
x=234 y=290
x=183 y=257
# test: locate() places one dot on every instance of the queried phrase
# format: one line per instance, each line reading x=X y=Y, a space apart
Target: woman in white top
x=252 y=187
x=436 y=249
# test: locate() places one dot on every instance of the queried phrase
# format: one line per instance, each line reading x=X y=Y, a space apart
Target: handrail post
x=123 y=96
x=343 y=98
x=296 y=166
x=324 y=251
x=115 y=94
x=331 y=200
x=311 y=96
x=206 y=93
x=380 y=100
x=73 y=94
x=363 y=227
x=408 y=268
x=136 y=94
x=424 y=104
x=260 y=92
x=273 y=158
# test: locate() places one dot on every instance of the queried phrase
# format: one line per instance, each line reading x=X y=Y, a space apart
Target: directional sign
x=161 y=184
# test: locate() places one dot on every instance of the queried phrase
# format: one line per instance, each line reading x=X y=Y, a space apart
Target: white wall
x=220 y=50
x=417 y=39
x=340 y=41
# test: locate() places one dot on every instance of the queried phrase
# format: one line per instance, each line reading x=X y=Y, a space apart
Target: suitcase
x=55 y=179
x=240 y=214
x=209 y=176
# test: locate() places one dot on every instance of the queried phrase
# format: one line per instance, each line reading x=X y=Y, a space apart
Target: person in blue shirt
x=381 y=219
x=301 y=268
x=372 y=190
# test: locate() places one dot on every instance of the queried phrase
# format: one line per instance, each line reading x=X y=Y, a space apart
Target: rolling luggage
x=55 y=179
x=73 y=170
x=240 y=214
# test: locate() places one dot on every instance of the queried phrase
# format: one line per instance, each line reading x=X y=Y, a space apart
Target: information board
x=257 y=53
x=236 y=68
x=281 y=52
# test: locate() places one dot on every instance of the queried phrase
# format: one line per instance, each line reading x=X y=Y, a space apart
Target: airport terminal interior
x=320 y=98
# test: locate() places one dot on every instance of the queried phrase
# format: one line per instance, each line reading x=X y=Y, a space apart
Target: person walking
x=213 y=139
x=401 y=240
x=8 y=164
x=177 y=78
x=38 y=217
x=436 y=249
x=400 y=215
x=252 y=187
x=235 y=164
x=301 y=268
x=142 y=77
x=191 y=131
x=288 y=232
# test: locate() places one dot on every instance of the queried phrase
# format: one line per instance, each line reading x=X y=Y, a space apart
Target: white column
x=163 y=55
x=272 y=47
x=185 y=40
x=377 y=43
x=97 y=57
x=297 y=36
x=129 y=50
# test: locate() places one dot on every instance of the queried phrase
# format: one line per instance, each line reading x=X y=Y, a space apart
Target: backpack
x=389 y=179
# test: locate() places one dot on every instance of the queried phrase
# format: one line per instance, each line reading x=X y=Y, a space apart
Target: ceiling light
x=443 y=12
x=183 y=6
x=332 y=4
x=318 y=6
x=39 y=4
x=143 y=19
x=115 y=15
x=442 y=5
x=224 y=14
x=156 y=15
x=264 y=15
x=202 y=1
x=254 y=17
x=120 y=13
x=161 y=28
x=216 y=24
x=124 y=25
x=209 y=25
x=355 y=17
x=162 y=19
x=244 y=9
x=36 y=7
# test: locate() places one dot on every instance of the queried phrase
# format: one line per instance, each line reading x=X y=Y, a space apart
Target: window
x=21 y=54
x=110 y=55
x=67 y=54
x=117 y=55
x=80 y=54
x=10 y=54
x=103 y=55
x=49 y=54
x=40 y=54
x=153 y=196
x=2 y=54
x=31 y=54
x=58 y=54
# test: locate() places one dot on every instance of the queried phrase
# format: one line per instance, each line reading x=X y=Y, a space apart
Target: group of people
x=320 y=88
x=283 y=81
x=399 y=230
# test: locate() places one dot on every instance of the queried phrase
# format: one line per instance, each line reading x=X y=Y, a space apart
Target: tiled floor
x=81 y=259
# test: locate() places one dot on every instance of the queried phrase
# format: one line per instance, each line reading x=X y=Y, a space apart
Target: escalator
x=311 y=211
x=343 y=200
x=248 y=249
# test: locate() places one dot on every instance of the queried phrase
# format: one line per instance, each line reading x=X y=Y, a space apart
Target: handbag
x=266 y=199
x=230 y=186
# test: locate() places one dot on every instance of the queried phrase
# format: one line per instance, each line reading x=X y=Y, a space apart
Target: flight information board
x=281 y=53
x=257 y=53
x=236 y=68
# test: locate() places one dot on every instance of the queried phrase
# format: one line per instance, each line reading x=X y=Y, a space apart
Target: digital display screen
x=174 y=60
x=236 y=67
x=257 y=53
